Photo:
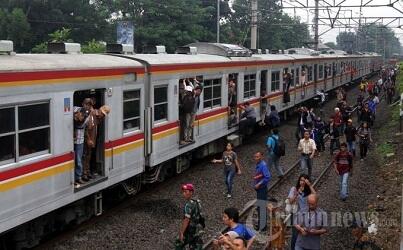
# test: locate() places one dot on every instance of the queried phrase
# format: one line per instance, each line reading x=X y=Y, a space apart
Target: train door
x=89 y=129
x=232 y=100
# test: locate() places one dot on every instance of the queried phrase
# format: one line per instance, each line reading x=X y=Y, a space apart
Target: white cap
x=189 y=88
x=336 y=109
x=232 y=234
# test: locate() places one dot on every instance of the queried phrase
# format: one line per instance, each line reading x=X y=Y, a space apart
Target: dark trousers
x=320 y=143
x=246 y=125
x=363 y=150
x=334 y=145
x=261 y=196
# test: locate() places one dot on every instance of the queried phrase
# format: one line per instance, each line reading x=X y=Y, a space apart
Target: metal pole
x=253 y=33
x=316 y=24
x=218 y=21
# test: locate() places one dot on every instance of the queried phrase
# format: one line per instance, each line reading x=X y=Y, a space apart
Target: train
x=139 y=141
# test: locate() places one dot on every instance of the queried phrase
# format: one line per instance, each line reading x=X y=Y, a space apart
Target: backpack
x=199 y=219
x=279 y=147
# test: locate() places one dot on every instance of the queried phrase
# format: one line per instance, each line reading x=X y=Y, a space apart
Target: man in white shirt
x=307 y=147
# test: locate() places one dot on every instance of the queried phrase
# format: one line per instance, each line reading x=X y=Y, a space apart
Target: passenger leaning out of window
x=94 y=120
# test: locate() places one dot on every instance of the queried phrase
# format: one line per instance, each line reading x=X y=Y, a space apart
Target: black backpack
x=198 y=214
x=279 y=147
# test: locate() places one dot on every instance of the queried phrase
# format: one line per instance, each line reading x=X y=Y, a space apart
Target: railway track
x=250 y=207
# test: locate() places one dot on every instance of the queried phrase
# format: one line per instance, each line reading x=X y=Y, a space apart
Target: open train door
x=93 y=158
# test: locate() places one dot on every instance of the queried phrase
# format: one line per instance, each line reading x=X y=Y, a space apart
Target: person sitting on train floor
x=94 y=120
x=231 y=220
x=248 y=118
x=80 y=121
x=188 y=103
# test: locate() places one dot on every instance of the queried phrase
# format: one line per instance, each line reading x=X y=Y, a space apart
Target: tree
x=331 y=45
x=14 y=26
x=93 y=47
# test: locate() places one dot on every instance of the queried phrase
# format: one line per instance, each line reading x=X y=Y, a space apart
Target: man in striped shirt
x=343 y=165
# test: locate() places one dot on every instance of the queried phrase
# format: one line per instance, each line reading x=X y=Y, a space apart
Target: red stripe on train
x=29 y=168
x=61 y=74
x=124 y=140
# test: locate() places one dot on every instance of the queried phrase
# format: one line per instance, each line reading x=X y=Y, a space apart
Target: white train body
x=36 y=102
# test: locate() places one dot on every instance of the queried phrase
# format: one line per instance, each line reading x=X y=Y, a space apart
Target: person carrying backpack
x=192 y=222
x=276 y=149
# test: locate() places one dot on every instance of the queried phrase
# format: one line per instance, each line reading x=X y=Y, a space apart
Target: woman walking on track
x=231 y=166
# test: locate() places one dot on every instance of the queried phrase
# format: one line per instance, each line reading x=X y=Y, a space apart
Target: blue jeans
x=229 y=178
x=294 y=235
x=261 y=196
x=351 y=147
x=344 y=185
x=306 y=165
x=273 y=159
x=78 y=158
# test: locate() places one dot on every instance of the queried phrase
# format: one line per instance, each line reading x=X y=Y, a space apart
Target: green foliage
x=40 y=48
x=61 y=35
x=371 y=38
x=93 y=47
x=14 y=26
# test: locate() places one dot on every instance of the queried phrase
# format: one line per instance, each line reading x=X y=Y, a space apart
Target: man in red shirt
x=343 y=165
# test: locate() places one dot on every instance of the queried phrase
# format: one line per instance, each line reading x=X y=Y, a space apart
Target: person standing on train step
x=197 y=92
x=189 y=233
x=261 y=181
x=80 y=121
x=350 y=132
x=231 y=166
x=276 y=149
x=188 y=102
x=307 y=148
x=343 y=165
x=94 y=120
x=311 y=224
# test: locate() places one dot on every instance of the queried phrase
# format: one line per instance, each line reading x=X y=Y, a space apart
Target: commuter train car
x=140 y=140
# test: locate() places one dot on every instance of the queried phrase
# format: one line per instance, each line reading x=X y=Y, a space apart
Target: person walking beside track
x=307 y=147
x=364 y=133
x=189 y=233
x=261 y=181
x=297 y=200
x=311 y=224
x=231 y=166
x=343 y=165
x=276 y=149
x=350 y=132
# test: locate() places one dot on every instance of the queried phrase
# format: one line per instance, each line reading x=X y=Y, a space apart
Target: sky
x=365 y=12
x=331 y=35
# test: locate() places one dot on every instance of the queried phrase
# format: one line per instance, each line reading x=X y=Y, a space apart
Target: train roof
x=44 y=62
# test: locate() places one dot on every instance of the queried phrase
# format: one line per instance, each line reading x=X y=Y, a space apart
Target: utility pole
x=253 y=33
x=316 y=24
x=218 y=21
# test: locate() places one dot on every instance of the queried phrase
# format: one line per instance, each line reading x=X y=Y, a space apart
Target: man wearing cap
x=189 y=231
x=350 y=132
x=94 y=120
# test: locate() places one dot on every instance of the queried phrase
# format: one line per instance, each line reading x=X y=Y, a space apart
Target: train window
x=249 y=86
x=310 y=73
x=32 y=135
x=32 y=116
x=160 y=103
x=321 y=71
x=275 y=81
x=33 y=129
x=131 y=110
x=7 y=119
x=212 y=93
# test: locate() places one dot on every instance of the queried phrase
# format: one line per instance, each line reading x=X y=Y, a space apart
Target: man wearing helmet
x=192 y=220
